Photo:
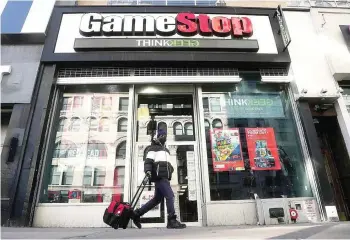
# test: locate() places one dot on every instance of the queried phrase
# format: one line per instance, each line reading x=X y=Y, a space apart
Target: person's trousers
x=162 y=190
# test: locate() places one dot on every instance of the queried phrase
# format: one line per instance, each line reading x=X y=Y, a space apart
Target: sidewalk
x=297 y=231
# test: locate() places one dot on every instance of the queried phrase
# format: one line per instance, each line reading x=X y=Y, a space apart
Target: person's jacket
x=156 y=160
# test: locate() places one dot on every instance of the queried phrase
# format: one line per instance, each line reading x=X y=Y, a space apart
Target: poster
x=145 y=197
x=262 y=149
x=191 y=176
x=226 y=150
x=310 y=210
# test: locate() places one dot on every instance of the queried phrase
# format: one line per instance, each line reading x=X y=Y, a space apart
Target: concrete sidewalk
x=297 y=231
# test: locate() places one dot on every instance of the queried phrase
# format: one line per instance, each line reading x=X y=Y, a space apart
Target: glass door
x=172 y=109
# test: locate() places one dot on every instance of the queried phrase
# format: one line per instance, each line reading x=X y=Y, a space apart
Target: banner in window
x=254 y=106
x=226 y=150
x=262 y=149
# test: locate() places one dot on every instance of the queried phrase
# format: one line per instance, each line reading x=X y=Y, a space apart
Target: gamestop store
x=215 y=79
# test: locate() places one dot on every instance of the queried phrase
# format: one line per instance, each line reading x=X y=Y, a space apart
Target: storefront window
x=90 y=145
x=252 y=142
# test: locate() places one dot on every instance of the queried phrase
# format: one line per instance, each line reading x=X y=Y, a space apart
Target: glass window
x=93 y=124
x=104 y=125
x=97 y=149
x=206 y=104
x=99 y=176
x=75 y=124
x=84 y=157
x=163 y=126
x=215 y=105
x=67 y=178
x=188 y=129
x=178 y=129
x=123 y=104
x=181 y=2
x=346 y=96
x=122 y=125
x=55 y=176
x=217 y=123
x=119 y=174
x=78 y=102
x=121 y=151
x=62 y=125
x=65 y=149
x=245 y=157
x=87 y=180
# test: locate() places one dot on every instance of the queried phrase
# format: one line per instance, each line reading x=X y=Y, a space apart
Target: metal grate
x=273 y=72
x=127 y=72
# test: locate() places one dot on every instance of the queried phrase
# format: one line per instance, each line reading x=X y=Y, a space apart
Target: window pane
x=99 y=176
x=122 y=125
x=178 y=129
x=206 y=104
x=123 y=104
x=258 y=150
x=189 y=129
x=85 y=152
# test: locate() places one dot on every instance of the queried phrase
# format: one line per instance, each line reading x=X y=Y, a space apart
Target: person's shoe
x=136 y=218
x=174 y=224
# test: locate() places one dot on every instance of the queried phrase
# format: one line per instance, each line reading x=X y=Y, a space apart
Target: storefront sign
x=226 y=150
x=283 y=27
x=145 y=197
x=262 y=149
x=254 y=106
x=185 y=24
x=98 y=44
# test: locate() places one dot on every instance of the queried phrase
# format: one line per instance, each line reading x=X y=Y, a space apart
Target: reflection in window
x=106 y=103
x=122 y=125
x=87 y=180
x=93 y=124
x=75 y=124
x=215 y=105
x=62 y=124
x=177 y=129
x=65 y=149
x=67 y=178
x=97 y=149
x=206 y=104
x=121 y=150
x=101 y=104
x=104 y=125
x=188 y=129
x=67 y=103
x=99 y=176
x=55 y=175
x=119 y=174
x=217 y=124
x=78 y=102
x=206 y=125
x=123 y=104
x=163 y=126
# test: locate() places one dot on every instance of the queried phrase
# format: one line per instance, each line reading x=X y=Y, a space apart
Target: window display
x=89 y=153
x=252 y=142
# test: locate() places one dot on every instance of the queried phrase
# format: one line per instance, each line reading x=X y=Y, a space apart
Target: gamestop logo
x=184 y=24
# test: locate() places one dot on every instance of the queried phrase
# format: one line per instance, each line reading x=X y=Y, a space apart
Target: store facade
x=216 y=79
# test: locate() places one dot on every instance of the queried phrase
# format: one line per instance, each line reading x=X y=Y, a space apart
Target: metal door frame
x=166 y=89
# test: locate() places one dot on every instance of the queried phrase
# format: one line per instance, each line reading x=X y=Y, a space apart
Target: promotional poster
x=226 y=150
x=145 y=197
x=262 y=149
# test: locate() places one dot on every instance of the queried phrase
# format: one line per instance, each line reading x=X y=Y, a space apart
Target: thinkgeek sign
x=107 y=32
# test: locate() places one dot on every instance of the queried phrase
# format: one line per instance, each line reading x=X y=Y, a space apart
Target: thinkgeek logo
x=184 y=24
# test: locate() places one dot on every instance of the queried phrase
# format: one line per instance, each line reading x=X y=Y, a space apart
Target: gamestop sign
x=185 y=24
x=157 y=32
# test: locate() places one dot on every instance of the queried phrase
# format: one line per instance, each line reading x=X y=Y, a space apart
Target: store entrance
x=172 y=108
x=337 y=162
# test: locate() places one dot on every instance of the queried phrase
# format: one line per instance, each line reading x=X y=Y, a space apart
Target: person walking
x=159 y=170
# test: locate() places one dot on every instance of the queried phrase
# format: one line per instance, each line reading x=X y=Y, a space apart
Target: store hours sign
x=115 y=32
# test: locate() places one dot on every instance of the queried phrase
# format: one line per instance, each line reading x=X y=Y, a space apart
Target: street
x=298 y=231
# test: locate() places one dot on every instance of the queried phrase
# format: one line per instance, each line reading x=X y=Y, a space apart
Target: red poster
x=226 y=150
x=262 y=149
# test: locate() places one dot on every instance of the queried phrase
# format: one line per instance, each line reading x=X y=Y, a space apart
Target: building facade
x=23 y=26
x=222 y=89
x=320 y=67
